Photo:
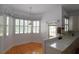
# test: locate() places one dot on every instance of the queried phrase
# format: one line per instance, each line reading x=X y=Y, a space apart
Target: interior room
x=39 y=28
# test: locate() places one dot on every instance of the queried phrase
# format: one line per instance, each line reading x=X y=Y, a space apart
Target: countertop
x=62 y=44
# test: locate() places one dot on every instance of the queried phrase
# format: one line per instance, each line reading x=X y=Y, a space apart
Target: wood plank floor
x=29 y=48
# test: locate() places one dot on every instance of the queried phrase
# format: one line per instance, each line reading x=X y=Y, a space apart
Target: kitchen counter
x=58 y=46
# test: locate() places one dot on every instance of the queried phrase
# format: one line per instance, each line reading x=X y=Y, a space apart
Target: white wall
x=26 y=38
x=74 y=23
x=64 y=12
x=51 y=17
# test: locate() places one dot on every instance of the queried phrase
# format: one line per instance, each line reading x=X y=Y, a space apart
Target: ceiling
x=38 y=8
x=35 y=8
x=70 y=8
x=23 y=10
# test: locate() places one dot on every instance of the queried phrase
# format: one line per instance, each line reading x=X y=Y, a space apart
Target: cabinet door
x=71 y=49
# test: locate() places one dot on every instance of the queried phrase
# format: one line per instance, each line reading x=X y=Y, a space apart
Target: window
x=29 y=25
x=66 y=24
x=4 y=25
x=1 y=26
x=7 y=26
x=17 y=26
x=26 y=26
x=36 y=26
x=52 y=31
x=21 y=26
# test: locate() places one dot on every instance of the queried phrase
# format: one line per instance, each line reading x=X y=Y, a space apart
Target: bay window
x=26 y=26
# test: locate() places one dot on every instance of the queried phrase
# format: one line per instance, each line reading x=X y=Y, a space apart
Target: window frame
x=17 y=26
x=49 y=32
x=26 y=26
x=36 y=26
x=7 y=25
x=21 y=25
x=66 y=25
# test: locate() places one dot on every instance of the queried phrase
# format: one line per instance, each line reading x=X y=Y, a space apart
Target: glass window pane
x=34 y=23
x=67 y=27
x=17 y=29
x=66 y=21
x=7 y=26
x=37 y=30
x=37 y=23
x=21 y=22
x=21 y=29
x=52 y=31
x=35 y=26
x=34 y=29
x=25 y=30
x=29 y=22
x=7 y=21
x=21 y=26
x=17 y=21
x=29 y=29
x=66 y=24
x=26 y=23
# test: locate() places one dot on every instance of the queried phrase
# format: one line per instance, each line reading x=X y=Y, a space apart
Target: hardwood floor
x=29 y=48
